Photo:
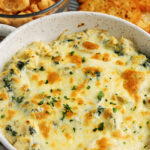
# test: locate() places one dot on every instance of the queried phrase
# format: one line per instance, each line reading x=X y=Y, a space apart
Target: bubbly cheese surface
x=83 y=91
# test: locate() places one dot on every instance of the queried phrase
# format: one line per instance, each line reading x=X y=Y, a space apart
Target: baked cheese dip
x=83 y=91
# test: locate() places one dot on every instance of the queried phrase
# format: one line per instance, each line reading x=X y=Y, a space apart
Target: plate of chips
x=135 y=11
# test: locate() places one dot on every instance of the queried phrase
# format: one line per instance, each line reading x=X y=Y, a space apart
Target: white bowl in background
x=50 y=27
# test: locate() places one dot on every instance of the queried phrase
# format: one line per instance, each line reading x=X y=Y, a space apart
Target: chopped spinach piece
x=97 y=74
x=95 y=129
x=20 y=64
x=41 y=103
x=31 y=130
x=46 y=82
x=72 y=53
x=83 y=59
x=41 y=68
x=8 y=128
x=56 y=62
x=20 y=99
x=74 y=129
x=66 y=97
x=14 y=133
x=100 y=110
x=74 y=87
x=88 y=87
x=101 y=126
x=69 y=40
x=2 y=116
x=53 y=101
x=7 y=83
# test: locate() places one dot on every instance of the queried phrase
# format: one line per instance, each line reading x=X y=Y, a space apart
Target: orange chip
x=14 y=5
x=128 y=9
x=144 y=22
x=43 y=4
x=144 y=5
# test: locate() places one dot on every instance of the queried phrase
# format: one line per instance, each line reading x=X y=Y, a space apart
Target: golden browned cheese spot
x=45 y=129
x=107 y=113
x=3 y=95
x=57 y=58
x=102 y=144
x=106 y=57
x=53 y=77
x=24 y=88
x=56 y=92
x=88 y=118
x=70 y=114
x=119 y=62
x=71 y=80
x=39 y=115
x=117 y=134
x=40 y=83
x=78 y=89
x=58 y=104
x=35 y=77
x=97 y=56
x=34 y=146
x=68 y=136
x=16 y=80
x=80 y=101
x=76 y=59
x=128 y=118
x=90 y=45
x=11 y=114
x=132 y=81
x=98 y=83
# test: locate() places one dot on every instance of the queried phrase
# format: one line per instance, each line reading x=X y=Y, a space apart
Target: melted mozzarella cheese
x=83 y=91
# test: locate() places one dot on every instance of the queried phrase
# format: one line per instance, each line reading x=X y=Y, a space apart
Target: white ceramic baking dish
x=50 y=27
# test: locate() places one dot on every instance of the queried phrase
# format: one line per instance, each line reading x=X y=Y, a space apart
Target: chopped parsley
x=67 y=109
x=114 y=110
x=100 y=95
x=88 y=87
x=66 y=97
